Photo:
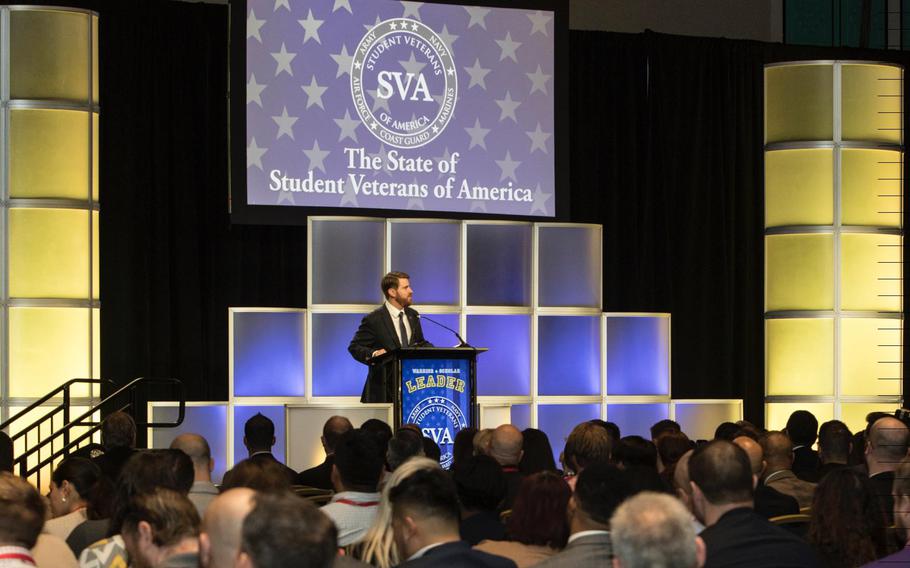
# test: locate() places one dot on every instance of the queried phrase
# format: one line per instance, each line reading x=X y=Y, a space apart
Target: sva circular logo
x=408 y=71
x=443 y=419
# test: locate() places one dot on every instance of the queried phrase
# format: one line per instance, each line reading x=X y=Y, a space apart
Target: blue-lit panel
x=570 y=259
x=436 y=335
x=273 y=413
x=499 y=265
x=210 y=422
x=268 y=353
x=637 y=419
x=568 y=356
x=557 y=421
x=429 y=253
x=638 y=355
x=506 y=368
x=521 y=416
x=347 y=261
x=699 y=420
x=335 y=372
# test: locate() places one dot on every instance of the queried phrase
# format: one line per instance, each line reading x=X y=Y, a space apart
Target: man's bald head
x=222 y=527
x=332 y=431
x=194 y=446
x=778 y=450
x=888 y=442
x=753 y=450
x=505 y=446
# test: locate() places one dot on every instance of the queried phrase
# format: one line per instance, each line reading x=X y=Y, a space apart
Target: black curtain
x=666 y=154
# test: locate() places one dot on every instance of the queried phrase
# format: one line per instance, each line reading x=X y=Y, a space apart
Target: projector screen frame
x=242 y=212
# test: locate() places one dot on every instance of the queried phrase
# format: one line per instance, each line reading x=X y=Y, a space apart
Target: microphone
x=462 y=343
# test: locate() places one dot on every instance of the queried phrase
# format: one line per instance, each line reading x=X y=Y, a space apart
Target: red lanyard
x=17 y=556
x=358 y=503
x=510 y=469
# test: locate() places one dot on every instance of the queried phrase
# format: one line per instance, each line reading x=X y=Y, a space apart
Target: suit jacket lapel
x=390 y=325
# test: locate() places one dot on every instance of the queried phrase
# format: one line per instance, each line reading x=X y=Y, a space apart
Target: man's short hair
x=802 y=427
x=380 y=428
x=651 y=529
x=259 y=431
x=267 y=476
x=333 y=429
x=587 y=443
x=118 y=430
x=600 y=489
x=390 y=280
x=480 y=483
x=172 y=516
x=834 y=439
x=285 y=530
x=360 y=457
x=662 y=426
x=429 y=494
x=21 y=511
x=195 y=446
x=722 y=472
x=635 y=450
x=727 y=431
x=404 y=445
x=612 y=429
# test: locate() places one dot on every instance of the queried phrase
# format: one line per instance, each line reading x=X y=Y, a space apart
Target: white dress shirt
x=407 y=325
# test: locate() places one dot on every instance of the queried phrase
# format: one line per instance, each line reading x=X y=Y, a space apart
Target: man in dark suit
x=769 y=502
x=802 y=428
x=391 y=326
x=834 y=447
x=722 y=482
x=886 y=446
x=259 y=437
x=425 y=523
x=320 y=476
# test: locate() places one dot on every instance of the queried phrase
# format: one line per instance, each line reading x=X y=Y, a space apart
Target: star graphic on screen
x=412 y=9
x=384 y=155
x=339 y=4
x=254 y=91
x=477 y=16
x=311 y=27
x=446 y=156
x=314 y=93
x=280 y=3
x=374 y=24
x=316 y=156
x=477 y=74
x=344 y=61
x=446 y=37
x=349 y=198
x=508 y=47
x=540 y=201
x=253 y=26
x=348 y=126
x=286 y=196
x=538 y=80
x=478 y=206
x=378 y=102
x=478 y=135
x=507 y=165
x=412 y=65
x=285 y=124
x=539 y=139
x=283 y=60
x=507 y=106
x=415 y=203
x=254 y=154
x=539 y=22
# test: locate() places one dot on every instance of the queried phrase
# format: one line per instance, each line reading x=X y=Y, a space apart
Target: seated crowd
x=747 y=498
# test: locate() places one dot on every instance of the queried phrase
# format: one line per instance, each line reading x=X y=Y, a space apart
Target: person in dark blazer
x=320 y=476
x=886 y=446
x=259 y=437
x=390 y=326
x=769 y=502
x=802 y=428
x=425 y=519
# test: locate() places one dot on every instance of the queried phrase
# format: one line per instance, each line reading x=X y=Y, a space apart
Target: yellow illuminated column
x=49 y=213
x=833 y=239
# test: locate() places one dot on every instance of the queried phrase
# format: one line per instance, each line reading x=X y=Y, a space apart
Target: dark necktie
x=402 y=332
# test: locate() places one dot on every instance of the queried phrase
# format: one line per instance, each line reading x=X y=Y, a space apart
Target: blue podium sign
x=436 y=396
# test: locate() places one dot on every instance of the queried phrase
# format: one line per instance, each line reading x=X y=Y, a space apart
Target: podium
x=436 y=389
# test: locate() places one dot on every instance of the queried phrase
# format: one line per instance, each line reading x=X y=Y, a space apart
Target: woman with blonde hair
x=378 y=545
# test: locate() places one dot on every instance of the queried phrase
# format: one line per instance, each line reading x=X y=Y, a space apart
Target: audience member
x=320 y=476
x=404 y=445
x=118 y=437
x=727 y=431
x=74 y=493
x=587 y=444
x=263 y=475
x=431 y=449
x=284 y=530
x=538 y=527
x=834 y=446
x=683 y=488
x=722 y=482
x=203 y=491
x=901 y=493
x=482 y=442
x=51 y=551
x=222 y=527
x=481 y=487
x=642 y=478
x=663 y=426
x=21 y=518
x=537 y=454
x=505 y=448
x=463 y=447
x=425 y=524
x=670 y=447
x=858 y=451
x=769 y=502
x=357 y=468
x=611 y=428
x=600 y=489
x=6 y=452
x=802 y=428
x=651 y=530
x=847 y=528
x=778 y=456
x=161 y=530
x=380 y=428
x=635 y=450
x=259 y=438
x=886 y=446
